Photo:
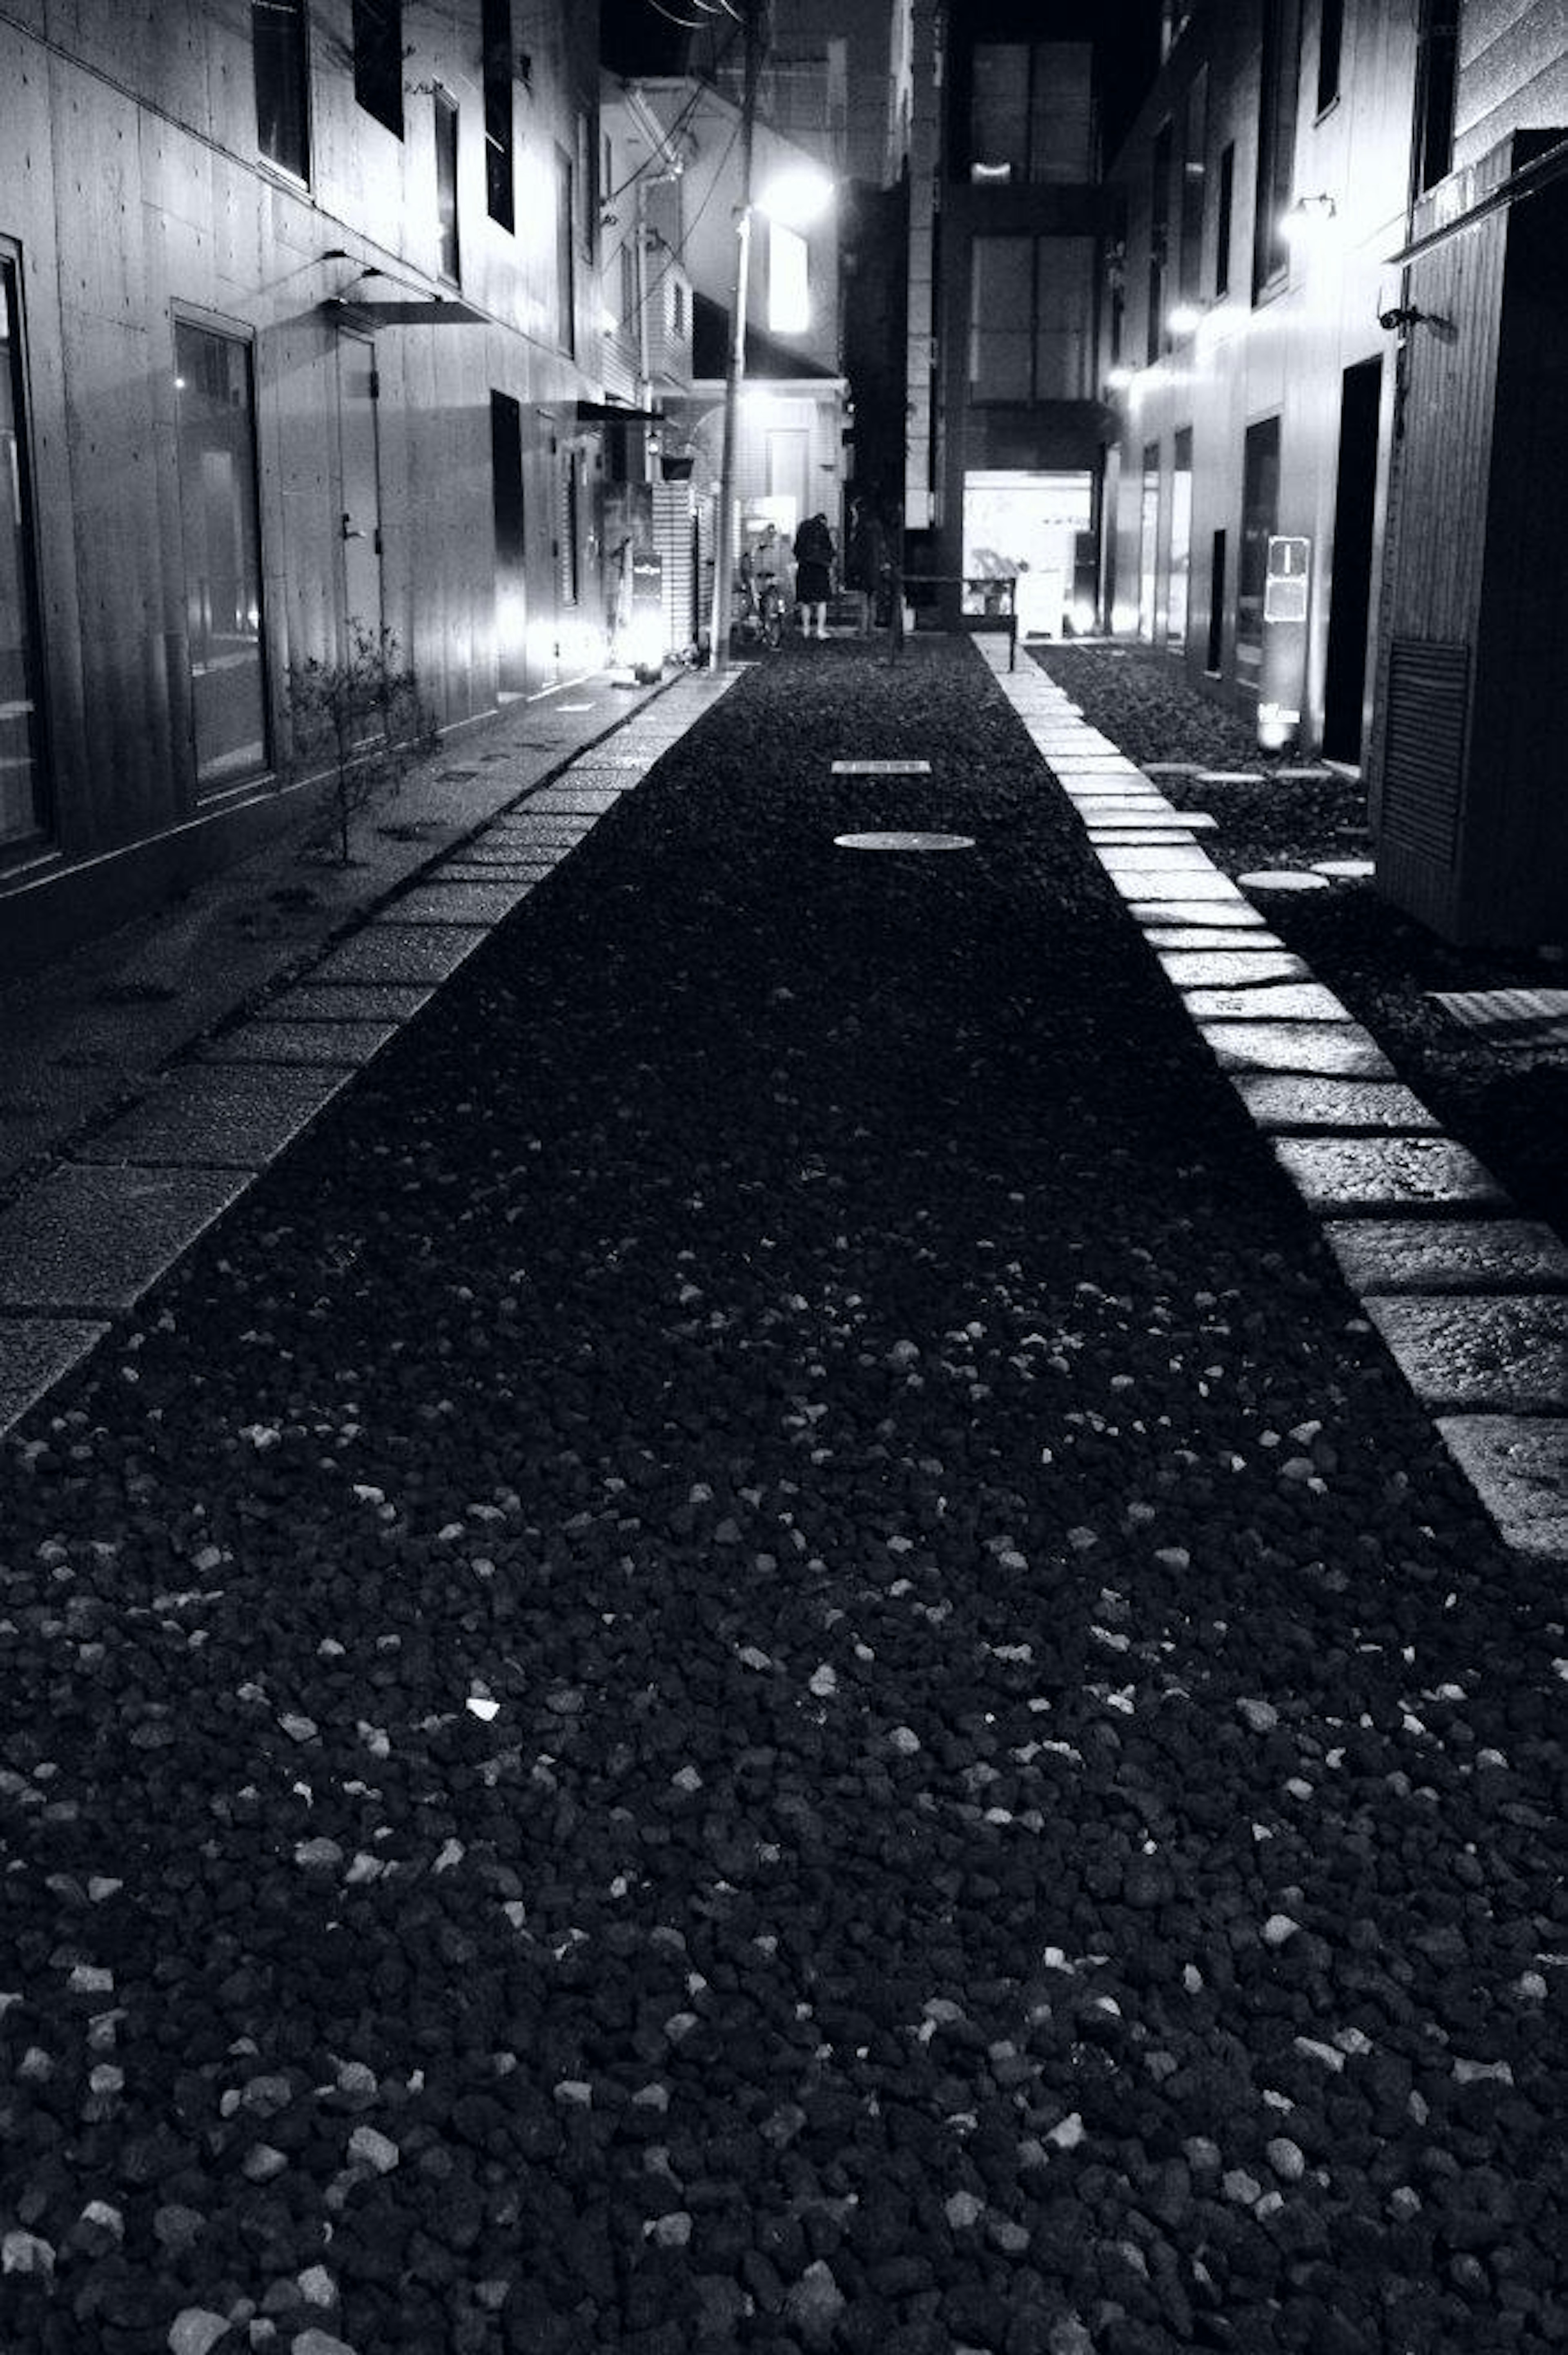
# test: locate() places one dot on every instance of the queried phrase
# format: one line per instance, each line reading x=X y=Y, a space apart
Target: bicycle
x=759 y=619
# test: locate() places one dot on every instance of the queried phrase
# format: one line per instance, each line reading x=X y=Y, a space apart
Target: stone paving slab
x=1479 y=1352
x=1165 y=912
x=90 y=1241
x=577 y=801
x=37 y=1352
x=1281 y=1001
x=1131 y=820
x=401 y=953
x=1371 y=1104
x=1222 y=968
x=513 y=851
x=1518 y=1466
x=345 y=1045
x=1342 y=1049
x=549 y=829
x=460 y=903
x=1344 y=1173
x=1135 y=838
x=491 y=870
x=217 y=1116
x=1419 y=1255
x=1220 y=935
x=1178 y=888
x=311 y=1000
x=1171 y=859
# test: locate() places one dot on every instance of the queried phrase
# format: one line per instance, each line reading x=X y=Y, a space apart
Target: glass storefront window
x=23 y=809
x=222 y=553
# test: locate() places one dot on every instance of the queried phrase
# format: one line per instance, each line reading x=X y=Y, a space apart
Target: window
x=1260 y=519
x=1214 y=652
x=789 y=281
x=378 y=60
x=496 y=34
x=583 y=190
x=1031 y=111
x=628 y=287
x=1276 y=140
x=1226 y=211
x=217 y=442
x=1435 y=91
x=566 y=275
x=23 y=806
x=1194 y=175
x=1159 y=242
x=1330 y=42
x=1148 y=539
x=1181 y=559
x=280 y=62
x=446 y=184
x=1031 y=310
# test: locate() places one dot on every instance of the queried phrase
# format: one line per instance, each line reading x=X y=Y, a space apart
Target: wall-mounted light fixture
x=1309 y=218
x=1183 y=318
x=1119 y=379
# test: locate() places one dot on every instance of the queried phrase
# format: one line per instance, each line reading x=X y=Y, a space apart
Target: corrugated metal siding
x=1424 y=758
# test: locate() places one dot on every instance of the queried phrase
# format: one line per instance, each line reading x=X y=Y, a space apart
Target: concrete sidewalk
x=146 y=1078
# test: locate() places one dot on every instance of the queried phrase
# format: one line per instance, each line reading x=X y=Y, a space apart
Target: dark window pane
x=1148 y=539
x=1331 y=41
x=1435 y=92
x=378 y=60
x=1064 y=315
x=496 y=34
x=1276 y=139
x=1159 y=242
x=278 y=49
x=23 y=810
x=566 y=275
x=1001 y=320
x=998 y=111
x=1260 y=519
x=222 y=553
x=1223 y=214
x=1195 y=144
x=446 y=182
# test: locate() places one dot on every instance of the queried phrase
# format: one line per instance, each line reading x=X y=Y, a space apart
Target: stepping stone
x=1283 y=878
x=511 y=851
x=641 y=761
x=1304 y=776
x=37 y=1352
x=401 y=953
x=348 y=1001
x=1178 y=823
x=1344 y=870
x=1218 y=935
x=1517 y=1466
x=1179 y=886
x=345 y=1045
x=1287 y=1001
x=90 y=1241
x=1184 y=863
x=1447 y=1254
x=1216 y=912
x=1137 y=838
x=1342 y=1048
x=1344 y=1173
x=1217 y=968
x=216 y=1115
x=491 y=871
x=1375 y=1104
x=1532 y=1016
x=456 y=903
x=1479 y=1352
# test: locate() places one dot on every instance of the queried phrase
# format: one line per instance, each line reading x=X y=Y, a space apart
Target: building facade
x=1337 y=344
x=299 y=308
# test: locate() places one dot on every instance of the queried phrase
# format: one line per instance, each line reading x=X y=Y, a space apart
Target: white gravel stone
x=321 y=2342
x=1278 y=1928
x=1243 y=2191
x=195 y=2330
x=318 y=1855
x=904 y=1740
x=1068 y=2133
x=25 y=2253
x=1260 y=1715
x=963 y=2210
x=1285 y=2157
x=373 y=2148
x=824 y=1680
x=316 y=2287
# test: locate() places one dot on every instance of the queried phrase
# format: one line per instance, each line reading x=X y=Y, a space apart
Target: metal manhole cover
x=903 y=841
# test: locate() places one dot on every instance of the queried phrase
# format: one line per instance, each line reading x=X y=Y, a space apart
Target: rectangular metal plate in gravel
x=88 y=1241
x=1447 y=1254
x=881 y=768
x=1479 y=1352
x=348 y=1001
x=1230 y=967
x=37 y=1352
x=1533 y=1017
x=456 y=903
x=1351 y=1173
x=344 y=1044
x=1287 y=1001
x=1235 y=915
x=225 y=1116
x=1341 y=1049
x=403 y=952
x=1377 y=1105
x=1518 y=1466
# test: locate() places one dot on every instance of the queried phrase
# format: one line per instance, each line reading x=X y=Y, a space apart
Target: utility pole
x=723 y=531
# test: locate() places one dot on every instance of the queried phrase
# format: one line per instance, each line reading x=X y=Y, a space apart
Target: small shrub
x=367 y=714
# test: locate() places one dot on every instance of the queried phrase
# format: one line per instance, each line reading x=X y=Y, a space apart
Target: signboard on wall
x=1282 y=679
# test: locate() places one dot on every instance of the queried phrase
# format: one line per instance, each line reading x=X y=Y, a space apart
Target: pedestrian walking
x=865 y=560
x=814 y=554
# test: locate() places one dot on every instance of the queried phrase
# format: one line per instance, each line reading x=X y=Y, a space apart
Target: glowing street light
x=1184 y=318
x=797 y=196
x=1309 y=220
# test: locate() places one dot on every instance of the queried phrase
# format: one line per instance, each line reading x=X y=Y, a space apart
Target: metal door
x=359 y=483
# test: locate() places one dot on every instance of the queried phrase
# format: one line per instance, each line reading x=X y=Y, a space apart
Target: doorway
x=511 y=571
x=1350 y=598
x=359 y=483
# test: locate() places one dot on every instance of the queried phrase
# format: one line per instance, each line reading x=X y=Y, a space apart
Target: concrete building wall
x=141 y=201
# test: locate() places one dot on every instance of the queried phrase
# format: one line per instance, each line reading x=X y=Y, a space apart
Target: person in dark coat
x=866 y=557
x=814 y=554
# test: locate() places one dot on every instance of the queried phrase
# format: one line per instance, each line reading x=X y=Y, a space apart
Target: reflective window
x=279 y=55
x=1031 y=315
x=446 y=184
x=222 y=553
x=1260 y=518
x=498 y=65
x=378 y=60
x=23 y=810
x=1031 y=111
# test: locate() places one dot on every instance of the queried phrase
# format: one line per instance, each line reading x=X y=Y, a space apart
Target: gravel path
x=760 y=1660
x=1508 y=1106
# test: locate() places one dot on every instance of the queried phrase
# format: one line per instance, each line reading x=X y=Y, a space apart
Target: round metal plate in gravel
x=903 y=841
x=1282 y=878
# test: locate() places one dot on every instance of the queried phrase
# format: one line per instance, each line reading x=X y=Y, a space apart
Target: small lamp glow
x=1310 y=219
x=1119 y=379
x=797 y=196
x=1183 y=318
